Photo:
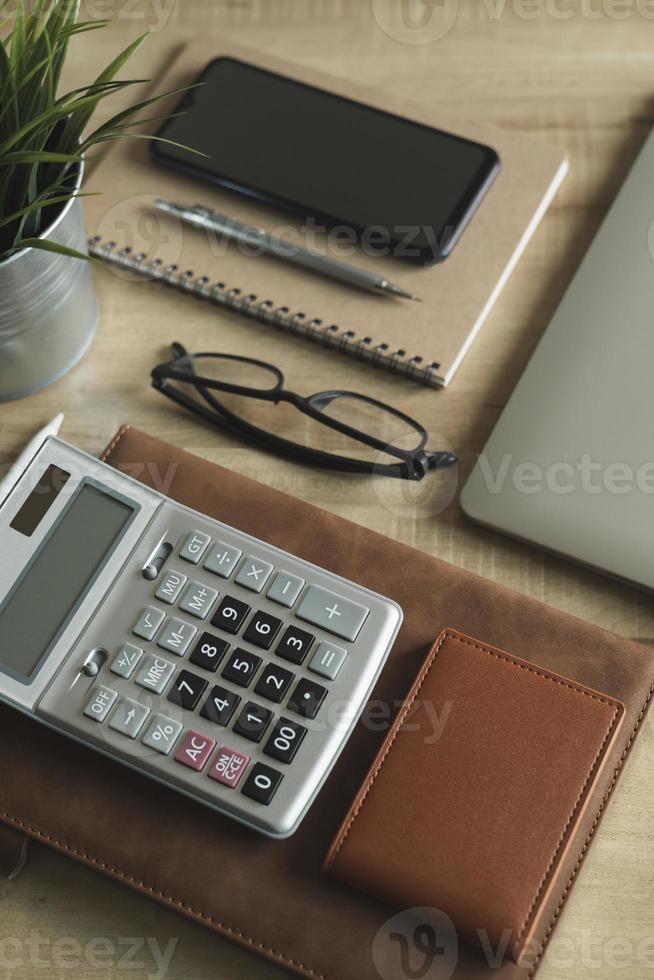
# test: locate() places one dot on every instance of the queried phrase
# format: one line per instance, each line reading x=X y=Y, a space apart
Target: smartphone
x=396 y=186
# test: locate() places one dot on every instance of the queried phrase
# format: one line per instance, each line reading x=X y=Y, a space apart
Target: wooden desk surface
x=579 y=73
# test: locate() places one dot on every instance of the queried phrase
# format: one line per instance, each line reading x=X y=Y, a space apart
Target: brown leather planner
x=476 y=792
x=272 y=896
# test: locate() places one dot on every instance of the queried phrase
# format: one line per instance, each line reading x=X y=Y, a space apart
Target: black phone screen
x=400 y=187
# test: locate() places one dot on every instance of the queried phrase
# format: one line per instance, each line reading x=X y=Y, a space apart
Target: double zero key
x=286 y=738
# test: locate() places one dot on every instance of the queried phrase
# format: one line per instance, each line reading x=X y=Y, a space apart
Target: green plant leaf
x=59 y=199
x=47 y=246
x=46 y=119
x=44 y=129
x=7 y=85
x=137 y=107
x=77 y=123
x=39 y=156
x=120 y=134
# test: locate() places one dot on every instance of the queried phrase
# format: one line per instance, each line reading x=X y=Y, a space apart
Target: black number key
x=295 y=644
x=209 y=651
x=230 y=614
x=262 y=630
x=285 y=740
x=220 y=706
x=187 y=690
x=307 y=698
x=274 y=683
x=262 y=783
x=241 y=667
x=253 y=721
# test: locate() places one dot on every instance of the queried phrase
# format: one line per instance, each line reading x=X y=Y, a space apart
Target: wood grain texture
x=576 y=73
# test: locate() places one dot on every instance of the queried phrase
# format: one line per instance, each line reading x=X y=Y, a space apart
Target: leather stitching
x=124 y=429
x=373 y=775
x=591 y=834
x=530 y=669
x=591 y=772
x=408 y=704
x=168 y=899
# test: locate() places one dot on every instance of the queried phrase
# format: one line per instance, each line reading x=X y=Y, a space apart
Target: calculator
x=198 y=655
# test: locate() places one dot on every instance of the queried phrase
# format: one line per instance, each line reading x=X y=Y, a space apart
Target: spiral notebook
x=425 y=341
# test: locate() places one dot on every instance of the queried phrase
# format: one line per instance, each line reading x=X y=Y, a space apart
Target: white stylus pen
x=30 y=450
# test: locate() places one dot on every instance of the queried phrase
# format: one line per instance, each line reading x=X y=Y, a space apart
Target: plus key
x=334 y=613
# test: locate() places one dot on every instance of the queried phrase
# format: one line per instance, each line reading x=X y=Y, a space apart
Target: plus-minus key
x=332 y=612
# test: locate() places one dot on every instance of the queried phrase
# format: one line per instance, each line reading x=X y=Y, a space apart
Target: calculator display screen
x=58 y=576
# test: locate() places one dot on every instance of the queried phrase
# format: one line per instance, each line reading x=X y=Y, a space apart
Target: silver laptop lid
x=570 y=464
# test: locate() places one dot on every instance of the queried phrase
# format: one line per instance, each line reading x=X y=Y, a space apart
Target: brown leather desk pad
x=272 y=896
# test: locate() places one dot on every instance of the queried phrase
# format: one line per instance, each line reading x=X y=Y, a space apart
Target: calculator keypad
x=328 y=660
x=176 y=636
x=228 y=667
x=274 y=683
x=220 y=706
x=230 y=615
x=209 y=652
x=262 y=630
x=241 y=667
x=187 y=690
x=222 y=559
x=100 y=703
x=198 y=600
x=126 y=660
x=155 y=673
x=253 y=574
x=171 y=587
x=129 y=717
x=295 y=645
x=162 y=733
x=285 y=589
x=285 y=740
x=253 y=721
x=228 y=766
x=332 y=612
x=194 y=547
x=148 y=623
x=262 y=783
x=307 y=698
x=194 y=750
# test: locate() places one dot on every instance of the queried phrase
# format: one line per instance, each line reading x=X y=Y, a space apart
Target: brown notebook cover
x=456 y=295
x=476 y=793
x=274 y=897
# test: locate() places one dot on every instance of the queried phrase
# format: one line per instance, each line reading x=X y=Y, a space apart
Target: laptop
x=570 y=463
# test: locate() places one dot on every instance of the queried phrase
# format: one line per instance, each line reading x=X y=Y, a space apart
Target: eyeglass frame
x=413 y=464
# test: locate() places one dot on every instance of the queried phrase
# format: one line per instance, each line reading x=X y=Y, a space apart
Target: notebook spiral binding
x=265 y=311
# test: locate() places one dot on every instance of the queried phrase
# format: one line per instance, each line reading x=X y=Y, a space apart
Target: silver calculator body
x=196 y=654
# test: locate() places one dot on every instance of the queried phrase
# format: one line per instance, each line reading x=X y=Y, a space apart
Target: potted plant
x=48 y=309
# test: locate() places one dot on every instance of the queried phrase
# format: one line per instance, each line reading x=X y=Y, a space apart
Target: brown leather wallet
x=272 y=896
x=474 y=797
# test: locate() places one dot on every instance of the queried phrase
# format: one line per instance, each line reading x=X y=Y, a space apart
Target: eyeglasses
x=203 y=374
